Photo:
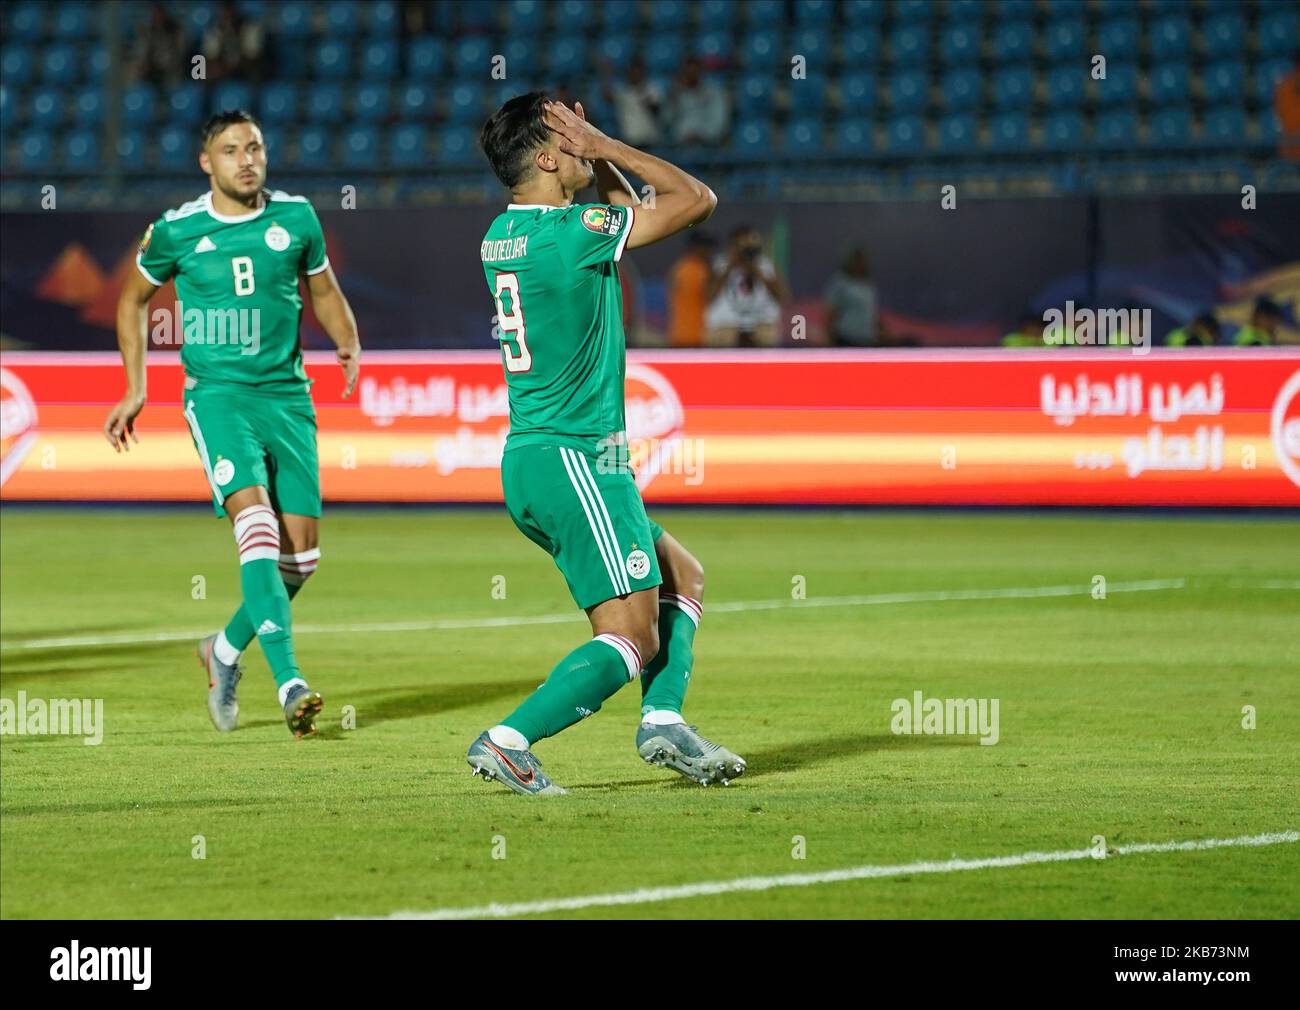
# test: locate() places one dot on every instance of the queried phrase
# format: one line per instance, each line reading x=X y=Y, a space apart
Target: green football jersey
x=559 y=318
x=237 y=286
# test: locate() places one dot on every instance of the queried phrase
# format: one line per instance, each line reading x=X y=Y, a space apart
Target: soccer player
x=237 y=253
x=550 y=264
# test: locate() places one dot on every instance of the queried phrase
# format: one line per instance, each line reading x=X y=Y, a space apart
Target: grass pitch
x=1120 y=717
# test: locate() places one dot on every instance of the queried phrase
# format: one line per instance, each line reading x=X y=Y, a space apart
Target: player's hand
x=577 y=137
x=121 y=423
x=350 y=361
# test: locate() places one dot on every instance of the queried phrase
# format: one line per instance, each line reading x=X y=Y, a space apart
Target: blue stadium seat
x=35 y=151
x=472 y=18
x=325 y=103
x=1170 y=37
x=864 y=12
x=521 y=59
x=957 y=133
x=332 y=60
x=668 y=15
x=385 y=19
x=664 y=54
x=1266 y=77
x=465 y=103
x=1013 y=88
x=46 y=109
x=457 y=147
x=1119 y=86
x=815 y=13
x=808 y=97
x=1014 y=42
x=756 y=96
x=960 y=45
x=1170 y=127
x=1118 y=39
x=718 y=15
x=803 y=138
x=567 y=57
x=292 y=19
x=361 y=147
x=1009 y=131
x=1223 y=83
x=854 y=136
x=312 y=148
x=1276 y=31
x=909 y=91
x=620 y=19
x=814 y=46
x=279 y=103
x=960 y=12
x=88 y=108
x=408 y=146
x=59 y=65
x=860 y=46
x=185 y=105
x=232 y=95
x=713 y=47
x=1116 y=129
x=1063 y=131
x=25 y=21
x=16 y=65
x=909 y=45
x=175 y=150
x=97 y=69
x=1269 y=127
x=905 y=135
x=1224 y=37
x=1224 y=126
x=424 y=58
x=1059 y=9
x=526 y=17
x=753 y=140
x=618 y=49
x=416 y=102
x=131 y=149
x=760 y=49
x=380 y=60
x=472 y=57
x=1066 y=86
x=763 y=13
x=196 y=18
x=341 y=18
x=962 y=90
x=913 y=11
x=1169 y=83
x=81 y=151
x=138 y=102
x=1064 y=41
x=75 y=21
x=1014 y=10
x=857 y=92
x=371 y=103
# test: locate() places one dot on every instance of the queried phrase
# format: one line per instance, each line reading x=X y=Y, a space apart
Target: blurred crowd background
x=1131 y=153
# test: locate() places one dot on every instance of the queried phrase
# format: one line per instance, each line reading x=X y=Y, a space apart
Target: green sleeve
x=594 y=233
x=157 y=257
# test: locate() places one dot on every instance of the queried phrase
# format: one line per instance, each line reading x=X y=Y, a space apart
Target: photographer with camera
x=745 y=295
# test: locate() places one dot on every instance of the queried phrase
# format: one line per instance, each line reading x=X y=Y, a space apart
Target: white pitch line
x=650 y=895
x=736 y=606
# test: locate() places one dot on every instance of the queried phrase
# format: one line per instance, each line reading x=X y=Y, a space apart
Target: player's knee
x=696 y=579
x=296 y=568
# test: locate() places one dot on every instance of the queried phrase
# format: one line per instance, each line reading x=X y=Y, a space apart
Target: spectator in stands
x=699 y=109
x=852 y=316
x=1203 y=331
x=637 y=101
x=417 y=17
x=688 y=290
x=234 y=46
x=1262 y=330
x=745 y=294
x=160 y=56
x=1286 y=100
x=1028 y=332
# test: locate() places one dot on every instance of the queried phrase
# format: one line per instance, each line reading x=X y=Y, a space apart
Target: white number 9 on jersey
x=511 y=324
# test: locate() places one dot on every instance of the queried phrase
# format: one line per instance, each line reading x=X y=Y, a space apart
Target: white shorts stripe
x=609 y=525
x=197 y=432
x=591 y=520
x=631 y=658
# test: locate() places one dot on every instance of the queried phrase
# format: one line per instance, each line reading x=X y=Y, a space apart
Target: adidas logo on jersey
x=205 y=245
x=267 y=627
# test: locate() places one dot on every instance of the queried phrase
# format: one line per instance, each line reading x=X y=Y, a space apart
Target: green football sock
x=239 y=630
x=576 y=688
x=663 y=684
x=266 y=602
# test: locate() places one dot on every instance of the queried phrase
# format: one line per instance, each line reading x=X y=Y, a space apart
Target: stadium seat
x=815 y=13
x=756 y=96
x=567 y=57
x=87 y=109
x=1224 y=126
x=1066 y=87
x=910 y=12
x=131 y=149
x=46 y=109
x=718 y=15
x=1063 y=131
x=1064 y=41
x=1119 y=86
x=1170 y=38
x=1223 y=82
x=753 y=140
x=864 y=12
x=960 y=45
x=416 y=102
x=803 y=138
x=1224 y=37
x=185 y=105
x=957 y=133
x=408 y=147
x=1013 y=88
x=292 y=19
x=279 y=103
x=138 y=105
x=761 y=49
x=618 y=49
x=960 y=12
x=59 y=65
x=1266 y=77
x=1169 y=83
x=619 y=19
x=16 y=65
x=712 y=47
x=905 y=135
x=1170 y=127
x=380 y=60
x=664 y=54
x=81 y=151
x=859 y=47
x=1013 y=10
x=813 y=45
x=1118 y=39
x=424 y=58
x=341 y=18
x=175 y=150
x=667 y=15
x=371 y=103
x=385 y=19
x=1013 y=42
x=1116 y=129
x=75 y=21
x=909 y=46
x=854 y=136
x=361 y=147
x=808 y=97
x=1276 y=31
x=325 y=103
x=526 y=17
x=857 y=92
x=472 y=58
x=962 y=90
x=97 y=68
x=909 y=91
x=35 y=151
x=456 y=146
x=313 y=142
x=332 y=61
x=25 y=22
x=465 y=103
x=1009 y=131
x=232 y=95
x=764 y=13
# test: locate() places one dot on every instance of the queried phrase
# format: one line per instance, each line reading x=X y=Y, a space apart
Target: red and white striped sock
x=625 y=648
x=257 y=531
x=688 y=605
x=295 y=569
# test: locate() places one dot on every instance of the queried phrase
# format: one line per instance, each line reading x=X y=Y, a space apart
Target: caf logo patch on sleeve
x=603 y=220
x=144 y=241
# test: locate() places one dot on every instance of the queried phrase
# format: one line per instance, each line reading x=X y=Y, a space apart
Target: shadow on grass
x=80 y=659
x=818 y=750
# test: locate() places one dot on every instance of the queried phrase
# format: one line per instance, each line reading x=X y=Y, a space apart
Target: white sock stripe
x=257 y=532
x=631 y=658
x=685 y=604
x=609 y=525
x=586 y=508
x=302 y=556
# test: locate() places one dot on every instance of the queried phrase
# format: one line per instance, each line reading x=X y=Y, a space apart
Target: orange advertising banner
x=1211 y=427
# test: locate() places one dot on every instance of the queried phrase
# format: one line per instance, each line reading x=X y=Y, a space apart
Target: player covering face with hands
x=237 y=254
x=551 y=267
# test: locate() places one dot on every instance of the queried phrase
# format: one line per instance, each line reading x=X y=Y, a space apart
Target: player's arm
x=335 y=315
x=132 y=341
x=681 y=200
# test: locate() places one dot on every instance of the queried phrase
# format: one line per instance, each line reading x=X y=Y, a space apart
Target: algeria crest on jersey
x=638 y=564
x=277 y=238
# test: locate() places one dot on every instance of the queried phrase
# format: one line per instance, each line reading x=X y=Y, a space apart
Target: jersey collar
x=533 y=206
x=232 y=219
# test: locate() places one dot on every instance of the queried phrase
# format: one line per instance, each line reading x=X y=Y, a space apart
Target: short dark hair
x=512 y=134
x=218 y=121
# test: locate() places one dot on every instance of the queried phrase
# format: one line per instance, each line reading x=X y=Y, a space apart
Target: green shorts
x=592 y=523
x=249 y=438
